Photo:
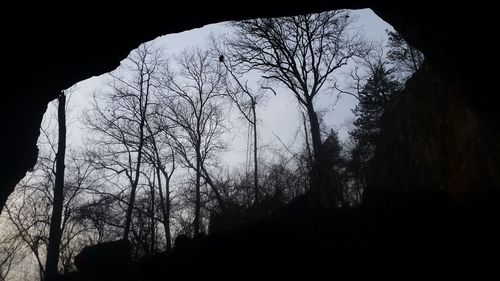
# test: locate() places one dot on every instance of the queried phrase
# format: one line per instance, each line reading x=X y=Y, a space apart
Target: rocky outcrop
x=403 y=241
x=106 y=261
x=432 y=140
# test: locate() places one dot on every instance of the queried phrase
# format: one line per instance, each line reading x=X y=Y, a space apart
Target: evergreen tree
x=336 y=164
x=378 y=93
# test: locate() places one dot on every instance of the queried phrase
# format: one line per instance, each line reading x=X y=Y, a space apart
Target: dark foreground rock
x=106 y=261
x=421 y=237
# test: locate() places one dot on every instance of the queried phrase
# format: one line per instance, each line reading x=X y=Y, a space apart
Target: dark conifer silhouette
x=379 y=92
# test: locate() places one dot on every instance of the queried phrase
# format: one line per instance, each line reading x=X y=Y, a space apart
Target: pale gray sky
x=278 y=116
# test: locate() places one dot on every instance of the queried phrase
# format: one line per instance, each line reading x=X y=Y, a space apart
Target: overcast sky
x=278 y=116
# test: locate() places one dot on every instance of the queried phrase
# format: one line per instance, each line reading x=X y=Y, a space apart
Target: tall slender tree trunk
x=143 y=98
x=255 y=167
x=165 y=205
x=153 y=221
x=58 y=201
x=130 y=208
x=166 y=218
x=197 y=206
x=308 y=150
x=131 y=202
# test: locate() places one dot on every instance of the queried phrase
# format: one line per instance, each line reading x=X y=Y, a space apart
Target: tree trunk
x=153 y=224
x=308 y=150
x=142 y=110
x=130 y=208
x=209 y=181
x=198 y=188
x=166 y=218
x=320 y=181
x=165 y=206
x=315 y=130
x=58 y=201
x=255 y=170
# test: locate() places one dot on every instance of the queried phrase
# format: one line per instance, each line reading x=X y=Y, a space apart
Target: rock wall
x=432 y=139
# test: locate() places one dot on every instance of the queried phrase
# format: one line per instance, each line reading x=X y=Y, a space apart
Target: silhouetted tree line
x=150 y=170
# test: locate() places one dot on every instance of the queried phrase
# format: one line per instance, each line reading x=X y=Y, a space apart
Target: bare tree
x=161 y=155
x=11 y=250
x=245 y=100
x=301 y=53
x=196 y=116
x=30 y=217
x=244 y=97
x=119 y=127
x=30 y=210
x=75 y=231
